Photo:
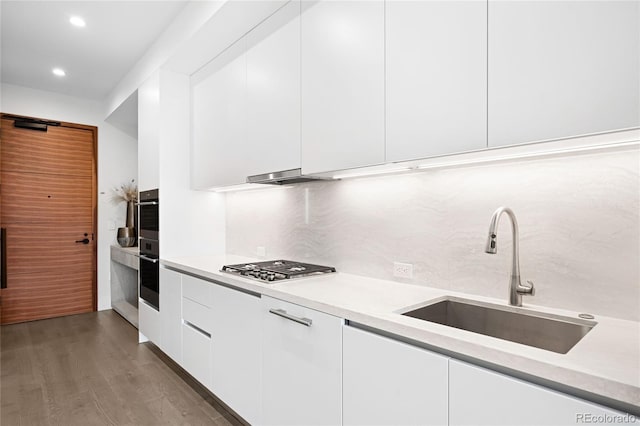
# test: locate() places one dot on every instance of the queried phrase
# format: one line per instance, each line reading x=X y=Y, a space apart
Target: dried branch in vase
x=127 y=192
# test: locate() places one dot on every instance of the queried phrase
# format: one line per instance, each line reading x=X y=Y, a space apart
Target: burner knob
x=264 y=275
x=271 y=277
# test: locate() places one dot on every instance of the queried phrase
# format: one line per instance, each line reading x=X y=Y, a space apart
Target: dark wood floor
x=88 y=369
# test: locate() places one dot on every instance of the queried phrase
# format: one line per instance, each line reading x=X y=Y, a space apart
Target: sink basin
x=544 y=331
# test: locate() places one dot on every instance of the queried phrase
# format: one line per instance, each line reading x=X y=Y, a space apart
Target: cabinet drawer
x=196 y=354
x=197 y=290
x=196 y=314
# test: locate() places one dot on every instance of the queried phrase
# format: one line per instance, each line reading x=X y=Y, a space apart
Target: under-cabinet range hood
x=283 y=177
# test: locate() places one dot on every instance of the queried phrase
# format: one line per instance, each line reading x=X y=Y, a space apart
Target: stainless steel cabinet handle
x=147 y=203
x=282 y=313
x=143 y=257
x=196 y=328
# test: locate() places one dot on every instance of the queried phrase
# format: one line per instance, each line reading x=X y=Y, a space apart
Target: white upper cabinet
x=436 y=74
x=246 y=105
x=219 y=120
x=342 y=84
x=149 y=134
x=273 y=90
x=562 y=68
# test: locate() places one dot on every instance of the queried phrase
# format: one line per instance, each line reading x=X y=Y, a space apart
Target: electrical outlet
x=261 y=251
x=402 y=270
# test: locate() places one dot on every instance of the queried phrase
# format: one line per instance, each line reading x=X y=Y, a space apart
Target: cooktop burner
x=275 y=270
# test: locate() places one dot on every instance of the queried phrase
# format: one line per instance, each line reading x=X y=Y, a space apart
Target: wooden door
x=48 y=207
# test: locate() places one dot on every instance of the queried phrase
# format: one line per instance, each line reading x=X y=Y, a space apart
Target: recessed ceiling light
x=59 y=72
x=77 y=21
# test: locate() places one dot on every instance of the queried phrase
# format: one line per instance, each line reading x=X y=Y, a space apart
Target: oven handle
x=147 y=203
x=284 y=314
x=143 y=257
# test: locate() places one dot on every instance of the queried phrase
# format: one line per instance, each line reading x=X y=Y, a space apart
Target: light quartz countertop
x=603 y=367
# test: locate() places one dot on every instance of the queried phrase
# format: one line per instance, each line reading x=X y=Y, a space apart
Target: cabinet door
x=149 y=134
x=386 y=382
x=436 y=63
x=149 y=328
x=301 y=366
x=342 y=84
x=236 y=352
x=171 y=314
x=562 y=68
x=273 y=91
x=482 y=397
x=219 y=120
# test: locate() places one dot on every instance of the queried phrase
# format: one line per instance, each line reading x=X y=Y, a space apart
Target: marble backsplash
x=579 y=219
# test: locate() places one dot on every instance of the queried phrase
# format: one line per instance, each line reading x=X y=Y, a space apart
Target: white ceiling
x=36 y=36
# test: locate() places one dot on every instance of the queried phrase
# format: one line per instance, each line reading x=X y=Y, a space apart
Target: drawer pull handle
x=282 y=313
x=196 y=328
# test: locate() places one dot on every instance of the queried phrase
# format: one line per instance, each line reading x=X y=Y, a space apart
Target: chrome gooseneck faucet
x=516 y=288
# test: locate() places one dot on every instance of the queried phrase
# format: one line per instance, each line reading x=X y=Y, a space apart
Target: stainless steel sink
x=544 y=331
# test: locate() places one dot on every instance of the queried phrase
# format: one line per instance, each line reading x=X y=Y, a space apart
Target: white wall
x=578 y=216
x=117 y=160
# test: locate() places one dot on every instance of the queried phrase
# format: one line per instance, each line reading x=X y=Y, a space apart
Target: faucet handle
x=527 y=289
x=533 y=289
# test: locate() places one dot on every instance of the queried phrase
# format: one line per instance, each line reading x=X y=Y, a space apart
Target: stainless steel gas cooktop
x=275 y=270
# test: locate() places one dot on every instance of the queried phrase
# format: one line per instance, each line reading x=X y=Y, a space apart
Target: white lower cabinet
x=301 y=365
x=277 y=363
x=149 y=328
x=171 y=313
x=387 y=382
x=478 y=396
x=236 y=351
x=196 y=341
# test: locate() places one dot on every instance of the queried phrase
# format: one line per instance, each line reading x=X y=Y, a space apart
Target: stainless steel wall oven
x=148 y=216
x=149 y=248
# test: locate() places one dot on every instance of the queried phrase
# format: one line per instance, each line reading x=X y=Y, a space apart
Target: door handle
x=85 y=241
x=3 y=258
